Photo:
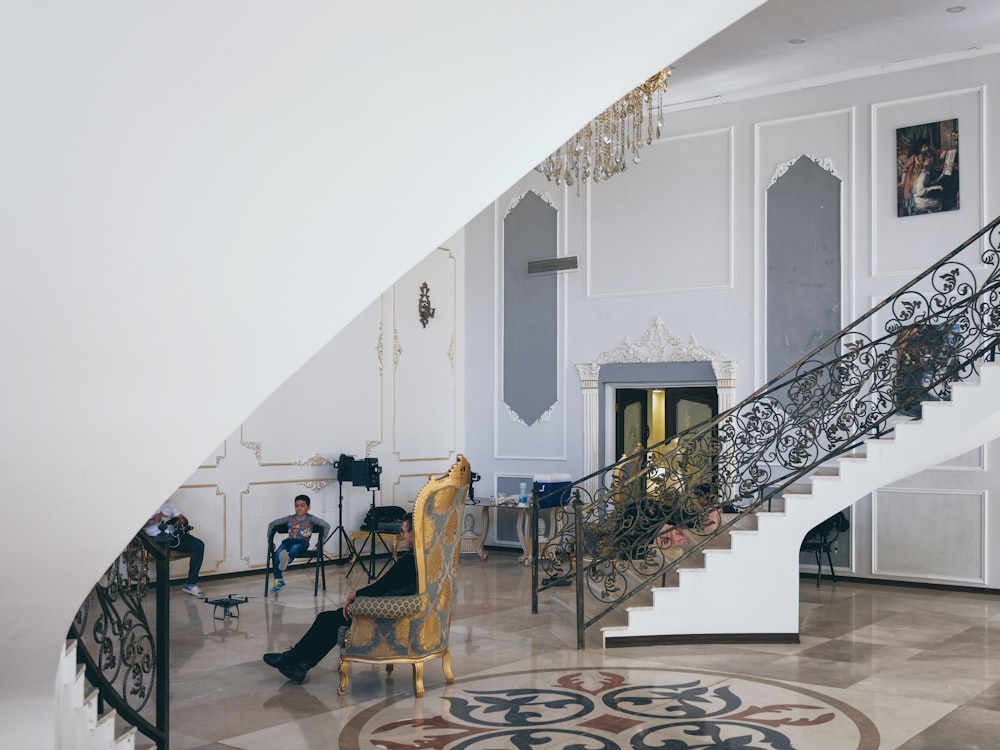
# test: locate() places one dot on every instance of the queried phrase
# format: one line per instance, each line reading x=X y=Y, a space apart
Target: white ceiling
x=843 y=39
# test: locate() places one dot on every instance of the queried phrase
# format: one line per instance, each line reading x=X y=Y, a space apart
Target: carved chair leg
x=343 y=678
x=446 y=667
x=418 y=679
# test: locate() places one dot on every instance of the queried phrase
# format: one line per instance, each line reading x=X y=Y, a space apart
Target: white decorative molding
x=397 y=349
x=545 y=196
x=371 y=445
x=379 y=347
x=513 y=416
x=823 y=162
x=588 y=372
x=253 y=446
x=218 y=458
x=451 y=353
x=658 y=344
x=725 y=377
x=316 y=484
x=314 y=460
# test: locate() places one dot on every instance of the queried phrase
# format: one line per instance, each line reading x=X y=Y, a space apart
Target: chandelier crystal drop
x=602 y=147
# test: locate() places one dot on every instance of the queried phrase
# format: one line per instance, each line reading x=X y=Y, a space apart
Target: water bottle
x=522 y=499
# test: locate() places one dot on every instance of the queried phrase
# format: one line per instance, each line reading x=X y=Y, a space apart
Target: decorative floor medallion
x=606 y=709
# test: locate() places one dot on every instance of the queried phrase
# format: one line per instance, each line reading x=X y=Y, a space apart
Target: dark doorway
x=631 y=419
x=650 y=415
x=686 y=407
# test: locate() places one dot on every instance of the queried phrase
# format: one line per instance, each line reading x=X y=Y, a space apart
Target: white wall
x=681 y=237
x=184 y=186
x=386 y=387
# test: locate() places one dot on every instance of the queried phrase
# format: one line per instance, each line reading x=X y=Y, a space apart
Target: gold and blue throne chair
x=414 y=629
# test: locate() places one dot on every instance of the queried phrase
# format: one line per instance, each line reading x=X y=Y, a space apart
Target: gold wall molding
x=218 y=458
x=310 y=483
x=315 y=460
x=225 y=536
x=442 y=271
x=380 y=347
x=257 y=448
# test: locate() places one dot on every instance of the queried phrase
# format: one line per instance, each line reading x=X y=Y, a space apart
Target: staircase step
x=744 y=521
x=800 y=488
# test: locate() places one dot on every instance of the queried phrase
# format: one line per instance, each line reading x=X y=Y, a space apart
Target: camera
x=180 y=524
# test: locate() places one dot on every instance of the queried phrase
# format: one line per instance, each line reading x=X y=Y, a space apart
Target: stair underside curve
x=751 y=590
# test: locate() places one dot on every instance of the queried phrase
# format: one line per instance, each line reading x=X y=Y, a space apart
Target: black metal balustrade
x=126 y=655
x=613 y=538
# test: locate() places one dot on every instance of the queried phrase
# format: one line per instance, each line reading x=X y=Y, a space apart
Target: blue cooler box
x=553 y=489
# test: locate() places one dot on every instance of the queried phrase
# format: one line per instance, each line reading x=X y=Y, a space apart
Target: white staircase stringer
x=753 y=587
x=78 y=725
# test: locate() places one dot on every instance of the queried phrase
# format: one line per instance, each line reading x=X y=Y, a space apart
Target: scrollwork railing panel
x=117 y=642
x=645 y=515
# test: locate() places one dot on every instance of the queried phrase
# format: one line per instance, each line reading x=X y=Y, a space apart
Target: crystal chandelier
x=603 y=146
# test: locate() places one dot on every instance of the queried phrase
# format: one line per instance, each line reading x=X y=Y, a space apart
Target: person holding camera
x=169 y=527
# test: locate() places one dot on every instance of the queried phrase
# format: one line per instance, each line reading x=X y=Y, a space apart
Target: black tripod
x=373 y=535
x=342 y=535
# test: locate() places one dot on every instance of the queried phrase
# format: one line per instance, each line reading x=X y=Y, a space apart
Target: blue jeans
x=294 y=547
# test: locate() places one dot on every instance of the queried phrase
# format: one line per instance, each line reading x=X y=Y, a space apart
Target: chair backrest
x=437 y=545
x=281 y=528
x=828 y=531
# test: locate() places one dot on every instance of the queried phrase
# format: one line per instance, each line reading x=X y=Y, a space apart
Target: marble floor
x=877 y=667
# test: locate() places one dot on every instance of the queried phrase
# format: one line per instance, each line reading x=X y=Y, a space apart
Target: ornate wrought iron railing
x=125 y=654
x=631 y=523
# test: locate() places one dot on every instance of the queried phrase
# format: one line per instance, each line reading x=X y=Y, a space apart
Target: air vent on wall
x=552 y=265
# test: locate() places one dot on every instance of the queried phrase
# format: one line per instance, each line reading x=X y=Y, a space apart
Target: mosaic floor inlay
x=876 y=668
x=605 y=709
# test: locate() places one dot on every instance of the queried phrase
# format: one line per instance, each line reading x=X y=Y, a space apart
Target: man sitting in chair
x=319 y=640
x=169 y=527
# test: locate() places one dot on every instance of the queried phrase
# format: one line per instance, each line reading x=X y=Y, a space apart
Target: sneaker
x=192 y=588
x=295 y=673
x=283 y=559
x=278 y=586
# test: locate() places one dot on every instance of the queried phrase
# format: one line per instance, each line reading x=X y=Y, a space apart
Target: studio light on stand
x=345 y=470
x=366 y=473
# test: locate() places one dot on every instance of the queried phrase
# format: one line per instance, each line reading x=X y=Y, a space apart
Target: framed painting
x=927 y=168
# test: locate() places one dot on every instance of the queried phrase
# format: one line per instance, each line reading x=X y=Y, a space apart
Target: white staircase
x=753 y=586
x=78 y=726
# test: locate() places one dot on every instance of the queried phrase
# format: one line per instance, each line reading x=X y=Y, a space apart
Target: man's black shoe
x=556 y=582
x=274 y=660
x=295 y=673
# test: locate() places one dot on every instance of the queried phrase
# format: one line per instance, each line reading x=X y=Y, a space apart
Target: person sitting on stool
x=169 y=527
x=319 y=640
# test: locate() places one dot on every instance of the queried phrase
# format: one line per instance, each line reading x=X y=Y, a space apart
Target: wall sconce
x=424 y=308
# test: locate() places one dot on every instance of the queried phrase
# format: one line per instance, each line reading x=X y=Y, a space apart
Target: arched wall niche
x=530 y=331
x=656 y=357
x=803 y=224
